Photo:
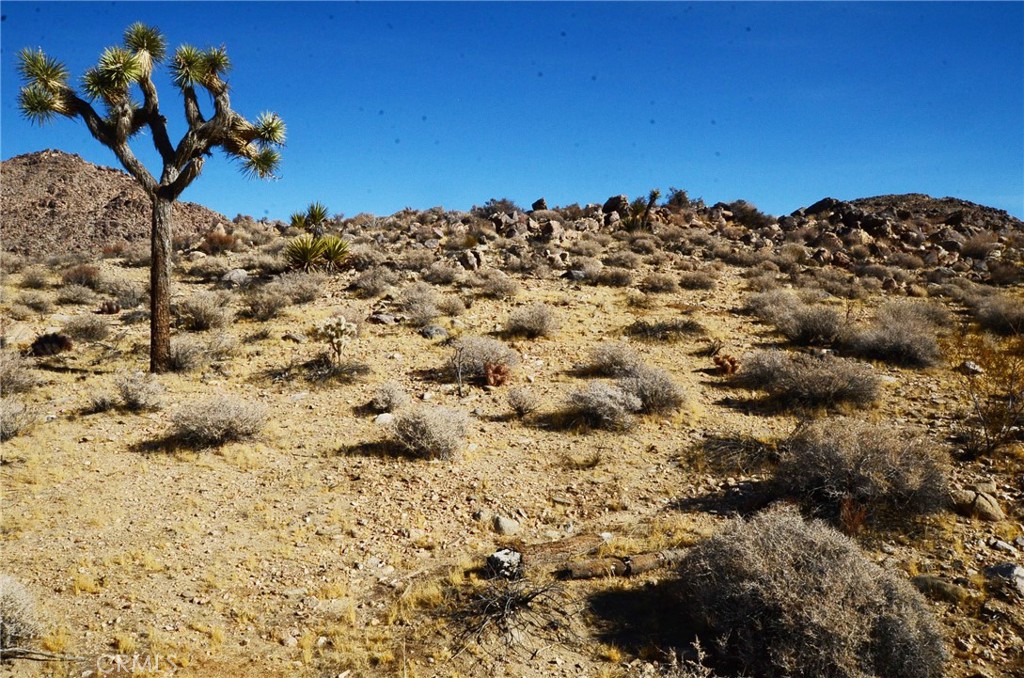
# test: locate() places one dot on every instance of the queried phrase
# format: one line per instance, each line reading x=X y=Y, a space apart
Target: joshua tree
x=46 y=93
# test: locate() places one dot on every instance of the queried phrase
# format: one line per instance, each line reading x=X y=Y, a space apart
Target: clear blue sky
x=390 y=105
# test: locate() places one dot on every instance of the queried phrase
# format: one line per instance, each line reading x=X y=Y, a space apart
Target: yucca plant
x=305 y=252
x=118 y=74
x=335 y=252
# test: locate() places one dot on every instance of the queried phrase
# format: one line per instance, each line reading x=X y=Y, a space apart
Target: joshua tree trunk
x=160 y=286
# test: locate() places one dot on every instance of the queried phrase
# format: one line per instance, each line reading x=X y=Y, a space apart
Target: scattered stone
x=1010 y=575
x=236 y=277
x=382 y=319
x=506 y=526
x=505 y=563
x=384 y=419
x=297 y=337
x=433 y=332
x=970 y=367
x=977 y=505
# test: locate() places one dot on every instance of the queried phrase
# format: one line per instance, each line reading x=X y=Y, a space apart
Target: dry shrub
x=19 y=620
x=139 y=391
x=654 y=388
x=604 y=405
x=301 y=288
x=811 y=325
x=659 y=283
x=809 y=380
x=431 y=432
x=772 y=305
x=473 y=355
x=490 y=282
x=535 y=320
x=204 y=311
x=665 y=330
x=36 y=301
x=830 y=465
x=522 y=401
x=11 y=262
x=87 y=328
x=628 y=260
x=216 y=421
x=995 y=414
x=85 y=275
x=35 y=277
x=187 y=355
x=14 y=417
x=780 y=596
x=1001 y=314
x=416 y=260
x=451 y=305
x=698 y=280
x=612 y=359
x=137 y=255
x=614 y=277
x=442 y=273
x=265 y=303
x=15 y=373
x=376 y=280
x=75 y=294
x=127 y=294
x=419 y=301
x=903 y=333
x=388 y=398
x=979 y=245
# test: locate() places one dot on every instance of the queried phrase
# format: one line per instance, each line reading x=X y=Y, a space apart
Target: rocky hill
x=57 y=202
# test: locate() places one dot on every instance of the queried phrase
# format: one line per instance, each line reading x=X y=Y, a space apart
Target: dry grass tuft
x=217 y=420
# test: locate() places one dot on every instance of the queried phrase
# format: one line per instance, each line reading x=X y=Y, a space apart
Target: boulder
x=977 y=505
x=539 y=204
x=616 y=203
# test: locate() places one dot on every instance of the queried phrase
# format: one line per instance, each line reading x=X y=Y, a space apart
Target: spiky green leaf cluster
x=304 y=252
x=45 y=93
x=270 y=129
x=117 y=70
x=261 y=164
x=317 y=213
x=308 y=252
x=39 y=69
x=191 y=66
x=142 y=38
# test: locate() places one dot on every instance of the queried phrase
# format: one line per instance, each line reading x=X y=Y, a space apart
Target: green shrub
x=305 y=252
x=777 y=596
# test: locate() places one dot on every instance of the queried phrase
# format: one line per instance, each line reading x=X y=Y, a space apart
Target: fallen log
x=625 y=566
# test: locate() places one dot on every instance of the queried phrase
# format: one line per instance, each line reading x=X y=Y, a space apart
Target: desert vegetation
x=704 y=442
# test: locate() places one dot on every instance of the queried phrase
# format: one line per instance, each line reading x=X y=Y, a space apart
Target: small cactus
x=109 y=308
x=727 y=364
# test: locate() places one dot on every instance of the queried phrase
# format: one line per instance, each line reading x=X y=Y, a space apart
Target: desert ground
x=320 y=542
